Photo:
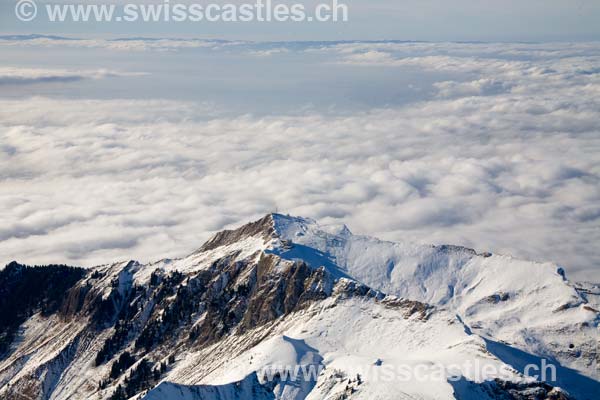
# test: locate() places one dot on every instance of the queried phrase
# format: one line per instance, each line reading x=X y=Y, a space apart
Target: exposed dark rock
x=497 y=297
x=410 y=307
x=498 y=389
x=75 y=300
x=526 y=391
x=450 y=248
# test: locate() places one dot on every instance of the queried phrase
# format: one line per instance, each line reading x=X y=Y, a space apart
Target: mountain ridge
x=212 y=318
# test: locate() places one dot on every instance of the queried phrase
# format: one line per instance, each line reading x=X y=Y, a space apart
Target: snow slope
x=529 y=305
x=363 y=338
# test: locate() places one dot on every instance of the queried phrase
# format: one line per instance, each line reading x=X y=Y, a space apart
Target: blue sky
x=432 y=20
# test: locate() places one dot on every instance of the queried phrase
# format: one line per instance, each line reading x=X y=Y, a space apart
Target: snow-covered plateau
x=286 y=308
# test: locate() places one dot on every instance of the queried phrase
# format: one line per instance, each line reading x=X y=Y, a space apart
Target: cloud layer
x=26 y=76
x=124 y=44
x=504 y=159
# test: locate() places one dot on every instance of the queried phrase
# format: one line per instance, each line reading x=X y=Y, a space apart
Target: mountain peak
x=288 y=227
x=272 y=225
x=496 y=296
x=263 y=228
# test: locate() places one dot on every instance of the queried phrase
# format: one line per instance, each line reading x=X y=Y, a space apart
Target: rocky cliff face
x=276 y=292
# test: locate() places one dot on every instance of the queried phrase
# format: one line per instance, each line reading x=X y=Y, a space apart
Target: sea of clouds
x=504 y=159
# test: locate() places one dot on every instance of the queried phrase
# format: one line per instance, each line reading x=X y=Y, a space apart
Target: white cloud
x=268 y=52
x=479 y=87
x=503 y=159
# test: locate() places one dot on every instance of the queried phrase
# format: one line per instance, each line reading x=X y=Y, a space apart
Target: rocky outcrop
x=262 y=228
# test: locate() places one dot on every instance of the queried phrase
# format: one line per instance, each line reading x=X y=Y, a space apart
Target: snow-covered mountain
x=285 y=308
